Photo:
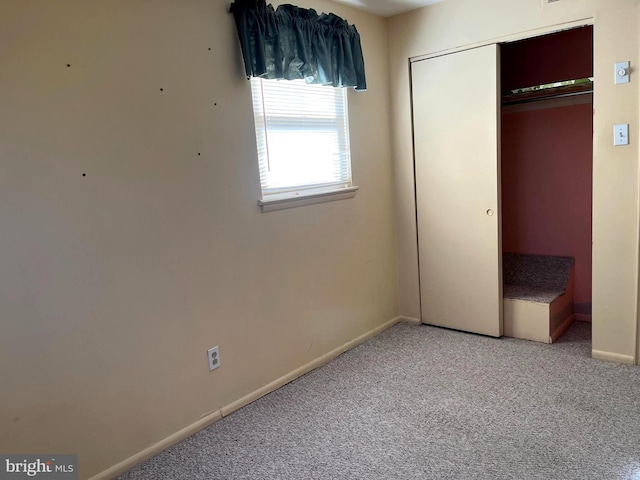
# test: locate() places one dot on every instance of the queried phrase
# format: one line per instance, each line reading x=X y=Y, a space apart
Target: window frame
x=300 y=194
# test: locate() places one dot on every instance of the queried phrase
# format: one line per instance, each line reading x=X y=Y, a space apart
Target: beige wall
x=455 y=24
x=114 y=284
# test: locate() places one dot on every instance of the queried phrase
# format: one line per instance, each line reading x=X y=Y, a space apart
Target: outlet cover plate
x=213 y=355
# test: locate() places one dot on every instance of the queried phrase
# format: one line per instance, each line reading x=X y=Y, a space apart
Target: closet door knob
x=490 y=212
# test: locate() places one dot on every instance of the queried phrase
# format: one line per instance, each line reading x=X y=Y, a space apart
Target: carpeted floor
x=420 y=402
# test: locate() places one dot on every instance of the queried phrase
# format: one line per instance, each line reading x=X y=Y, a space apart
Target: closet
x=498 y=170
x=547 y=152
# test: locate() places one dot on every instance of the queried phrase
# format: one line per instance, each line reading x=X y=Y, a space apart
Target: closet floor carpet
x=419 y=402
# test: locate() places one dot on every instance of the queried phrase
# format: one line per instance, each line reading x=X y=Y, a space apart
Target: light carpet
x=419 y=402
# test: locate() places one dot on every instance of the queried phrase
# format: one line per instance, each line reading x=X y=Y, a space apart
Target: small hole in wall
x=209 y=48
x=198 y=153
x=215 y=104
x=84 y=174
x=162 y=89
x=68 y=64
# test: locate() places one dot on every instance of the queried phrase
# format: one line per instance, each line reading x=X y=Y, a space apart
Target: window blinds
x=302 y=135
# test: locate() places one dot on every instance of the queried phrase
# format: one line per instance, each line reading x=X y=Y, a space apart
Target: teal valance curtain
x=296 y=43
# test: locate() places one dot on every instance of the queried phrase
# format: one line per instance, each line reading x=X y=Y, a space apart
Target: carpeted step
x=537 y=296
x=544 y=272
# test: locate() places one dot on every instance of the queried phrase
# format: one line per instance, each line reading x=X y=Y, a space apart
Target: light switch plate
x=622 y=72
x=621 y=134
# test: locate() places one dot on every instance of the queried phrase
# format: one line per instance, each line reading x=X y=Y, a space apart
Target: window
x=302 y=133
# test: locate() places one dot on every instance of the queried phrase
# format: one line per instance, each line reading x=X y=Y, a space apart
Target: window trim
x=279 y=198
x=272 y=205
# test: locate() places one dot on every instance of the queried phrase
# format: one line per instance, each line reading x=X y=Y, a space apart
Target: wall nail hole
x=209 y=48
x=162 y=89
x=84 y=174
x=198 y=153
x=68 y=64
x=216 y=104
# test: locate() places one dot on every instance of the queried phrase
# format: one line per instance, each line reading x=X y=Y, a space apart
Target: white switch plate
x=621 y=134
x=622 y=72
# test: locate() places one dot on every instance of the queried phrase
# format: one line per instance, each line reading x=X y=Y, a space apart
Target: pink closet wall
x=546 y=187
x=547 y=156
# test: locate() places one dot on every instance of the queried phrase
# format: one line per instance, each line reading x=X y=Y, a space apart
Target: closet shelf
x=548 y=93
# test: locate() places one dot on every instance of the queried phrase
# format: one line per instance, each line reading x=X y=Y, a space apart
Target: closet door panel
x=456 y=137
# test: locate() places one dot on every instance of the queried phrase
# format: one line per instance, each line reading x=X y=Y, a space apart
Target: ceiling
x=387 y=8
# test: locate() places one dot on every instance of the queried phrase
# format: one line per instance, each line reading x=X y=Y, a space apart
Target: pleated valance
x=296 y=43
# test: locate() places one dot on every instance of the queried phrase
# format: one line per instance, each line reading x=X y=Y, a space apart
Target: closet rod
x=547 y=94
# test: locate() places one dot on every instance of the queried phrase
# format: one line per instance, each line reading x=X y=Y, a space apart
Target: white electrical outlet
x=213 y=354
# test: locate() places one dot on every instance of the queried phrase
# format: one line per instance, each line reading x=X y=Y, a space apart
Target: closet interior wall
x=547 y=156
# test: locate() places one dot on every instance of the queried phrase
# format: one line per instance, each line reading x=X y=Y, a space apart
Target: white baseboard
x=613 y=357
x=318 y=362
x=213 y=417
x=411 y=320
x=158 y=447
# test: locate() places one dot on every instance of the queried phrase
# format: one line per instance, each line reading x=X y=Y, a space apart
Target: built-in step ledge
x=537 y=296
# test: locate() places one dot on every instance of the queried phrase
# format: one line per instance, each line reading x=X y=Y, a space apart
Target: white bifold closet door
x=456 y=115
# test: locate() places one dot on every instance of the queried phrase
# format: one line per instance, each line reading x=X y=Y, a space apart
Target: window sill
x=301 y=201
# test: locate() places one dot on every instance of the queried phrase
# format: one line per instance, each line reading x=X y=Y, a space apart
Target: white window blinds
x=302 y=133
